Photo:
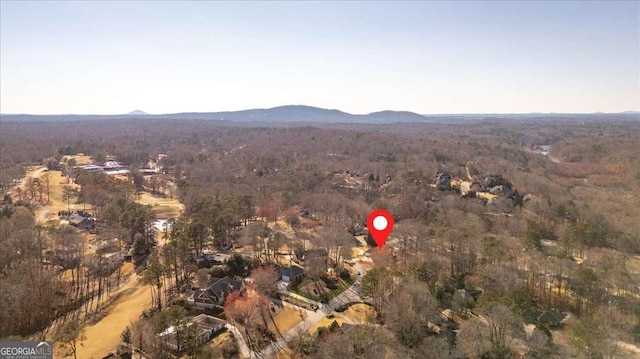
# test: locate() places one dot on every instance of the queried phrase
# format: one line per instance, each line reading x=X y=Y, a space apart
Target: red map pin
x=380 y=224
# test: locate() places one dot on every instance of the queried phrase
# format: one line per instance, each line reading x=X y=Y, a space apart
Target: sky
x=359 y=57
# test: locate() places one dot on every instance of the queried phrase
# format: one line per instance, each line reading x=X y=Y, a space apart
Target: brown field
x=80 y=158
x=360 y=312
x=356 y=314
x=126 y=269
x=286 y=319
x=162 y=207
x=104 y=336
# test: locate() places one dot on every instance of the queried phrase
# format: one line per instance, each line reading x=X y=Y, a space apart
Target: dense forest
x=486 y=271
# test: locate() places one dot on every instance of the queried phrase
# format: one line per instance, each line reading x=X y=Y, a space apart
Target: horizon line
x=144 y=113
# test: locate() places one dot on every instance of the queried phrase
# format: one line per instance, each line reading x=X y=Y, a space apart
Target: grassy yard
x=104 y=336
x=81 y=159
x=360 y=313
x=305 y=289
x=161 y=207
x=285 y=319
x=356 y=314
x=295 y=301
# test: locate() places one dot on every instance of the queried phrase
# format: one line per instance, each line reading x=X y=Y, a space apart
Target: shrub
x=329 y=283
x=346 y=306
x=148 y=313
x=183 y=302
x=322 y=331
x=345 y=274
x=217 y=272
x=334 y=326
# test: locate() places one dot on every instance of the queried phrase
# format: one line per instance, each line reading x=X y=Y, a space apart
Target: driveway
x=351 y=294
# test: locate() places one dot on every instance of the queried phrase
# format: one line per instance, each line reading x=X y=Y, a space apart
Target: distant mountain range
x=137 y=112
x=308 y=114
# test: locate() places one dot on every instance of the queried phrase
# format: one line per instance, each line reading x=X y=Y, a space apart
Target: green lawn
x=295 y=301
x=341 y=286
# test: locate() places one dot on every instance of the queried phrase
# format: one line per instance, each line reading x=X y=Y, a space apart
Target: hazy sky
x=360 y=57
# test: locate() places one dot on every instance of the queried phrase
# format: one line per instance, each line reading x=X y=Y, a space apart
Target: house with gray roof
x=216 y=293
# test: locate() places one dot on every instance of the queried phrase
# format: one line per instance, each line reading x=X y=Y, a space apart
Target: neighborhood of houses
x=112 y=167
x=207 y=298
x=487 y=188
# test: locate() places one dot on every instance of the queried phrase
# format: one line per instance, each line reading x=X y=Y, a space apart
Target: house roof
x=204 y=324
x=207 y=321
x=220 y=288
x=76 y=218
x=550 y=316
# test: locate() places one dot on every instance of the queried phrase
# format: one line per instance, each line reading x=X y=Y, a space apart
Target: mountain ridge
x=137 y=113
x=309 y=114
